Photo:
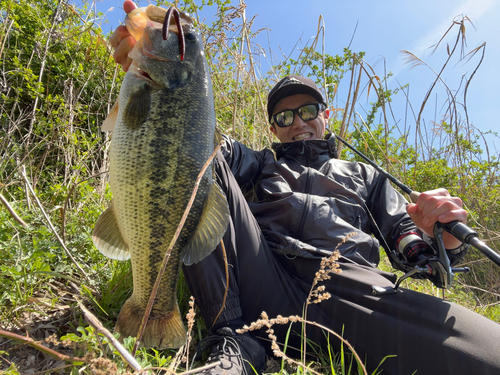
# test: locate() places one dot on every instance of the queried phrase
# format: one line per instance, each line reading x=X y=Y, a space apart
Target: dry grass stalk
x=265 y=321
x=227 y=282
x=38 y=345
x=317 y=293
x=68 y=253
x=452 y=114
x=94 y=322
x=190 y=319
x=349 y=103
x=372 y=77
x=12 y=211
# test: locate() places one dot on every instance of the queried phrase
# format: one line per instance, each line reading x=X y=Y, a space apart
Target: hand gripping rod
x=461 y=231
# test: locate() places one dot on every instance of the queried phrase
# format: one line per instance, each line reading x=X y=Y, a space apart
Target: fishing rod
x=461 y=231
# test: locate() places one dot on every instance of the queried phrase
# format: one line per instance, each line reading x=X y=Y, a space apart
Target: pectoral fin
x=211 y=228
x=107 y=237
x=110 y=122
x=137 y=108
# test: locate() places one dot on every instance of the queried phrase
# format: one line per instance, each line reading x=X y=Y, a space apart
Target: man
x=289 y=210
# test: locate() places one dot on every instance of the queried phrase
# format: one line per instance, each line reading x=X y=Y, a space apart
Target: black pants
x=425 y=333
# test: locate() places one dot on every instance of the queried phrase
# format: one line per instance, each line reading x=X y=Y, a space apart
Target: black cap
x=292 y=85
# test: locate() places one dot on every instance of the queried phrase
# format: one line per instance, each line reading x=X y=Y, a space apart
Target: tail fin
x=162 y=331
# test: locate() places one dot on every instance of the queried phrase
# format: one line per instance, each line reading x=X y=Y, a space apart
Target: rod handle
x=414 y=196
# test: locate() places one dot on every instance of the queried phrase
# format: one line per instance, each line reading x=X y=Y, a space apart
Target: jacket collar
x=316 y=152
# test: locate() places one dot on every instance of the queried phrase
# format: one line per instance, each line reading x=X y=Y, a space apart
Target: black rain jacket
x=307 y=202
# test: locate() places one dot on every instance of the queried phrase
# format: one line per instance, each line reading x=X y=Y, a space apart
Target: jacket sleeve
x=388 y=209
x=245 y=163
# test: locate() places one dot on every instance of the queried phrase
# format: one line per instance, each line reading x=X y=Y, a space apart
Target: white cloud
x=473 y=9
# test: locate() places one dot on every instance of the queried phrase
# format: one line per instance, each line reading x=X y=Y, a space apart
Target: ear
x=273 y=130
x=326 y=114
x=323 y=117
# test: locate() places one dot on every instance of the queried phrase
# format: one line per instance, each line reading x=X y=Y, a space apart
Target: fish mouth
x=142 y=74
x=171 y=21
x=145 y=75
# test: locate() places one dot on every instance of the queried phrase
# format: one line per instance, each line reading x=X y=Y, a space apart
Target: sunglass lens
x=308 y=112
x=284 y=118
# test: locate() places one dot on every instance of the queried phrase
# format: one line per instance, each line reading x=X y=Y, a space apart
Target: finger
x=443 y=211
x=411 y=209
x=428 y=202
x=425 y=196
x=120 y=33
x=122 y=51
x=453 y=215
x=127 y=64
x=129 y=6
x=436 y=192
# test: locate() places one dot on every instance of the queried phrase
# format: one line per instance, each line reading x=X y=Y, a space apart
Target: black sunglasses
x=307 y=112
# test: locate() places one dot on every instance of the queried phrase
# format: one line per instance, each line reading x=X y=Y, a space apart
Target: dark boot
x=236 y=353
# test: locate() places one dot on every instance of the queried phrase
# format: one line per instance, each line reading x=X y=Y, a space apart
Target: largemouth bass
x=163 y=133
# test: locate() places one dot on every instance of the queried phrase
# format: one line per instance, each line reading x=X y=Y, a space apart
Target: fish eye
x=190 y=36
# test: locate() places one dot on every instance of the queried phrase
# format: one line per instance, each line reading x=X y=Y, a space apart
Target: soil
x=44 y=329
x=44 y=323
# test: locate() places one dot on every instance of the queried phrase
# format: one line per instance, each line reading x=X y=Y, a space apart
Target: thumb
x=129 y=6
x=411 y=209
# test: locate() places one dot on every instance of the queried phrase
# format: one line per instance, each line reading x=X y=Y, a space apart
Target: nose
x=297 y=121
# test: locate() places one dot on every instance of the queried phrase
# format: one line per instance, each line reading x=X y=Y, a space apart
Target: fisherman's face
x=299 y=130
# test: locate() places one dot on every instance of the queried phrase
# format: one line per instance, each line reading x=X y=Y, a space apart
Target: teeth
x=302 y=136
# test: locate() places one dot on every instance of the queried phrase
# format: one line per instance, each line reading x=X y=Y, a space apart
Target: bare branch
x=38 y=345
x=94 y=322
x=11 y=210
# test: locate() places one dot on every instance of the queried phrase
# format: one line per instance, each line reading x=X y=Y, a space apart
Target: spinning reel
x=435 y=268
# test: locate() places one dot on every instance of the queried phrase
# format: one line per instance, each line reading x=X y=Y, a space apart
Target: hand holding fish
x=122 y=41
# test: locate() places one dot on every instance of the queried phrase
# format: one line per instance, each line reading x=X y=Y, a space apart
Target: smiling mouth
x=302 y=136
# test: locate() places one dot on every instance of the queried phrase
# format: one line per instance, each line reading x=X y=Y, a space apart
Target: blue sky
x=382 y=28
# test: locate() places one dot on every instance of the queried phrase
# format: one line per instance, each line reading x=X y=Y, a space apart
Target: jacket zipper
x=307 y=187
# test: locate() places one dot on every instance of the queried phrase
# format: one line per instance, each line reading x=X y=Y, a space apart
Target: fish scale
x=163 y=133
